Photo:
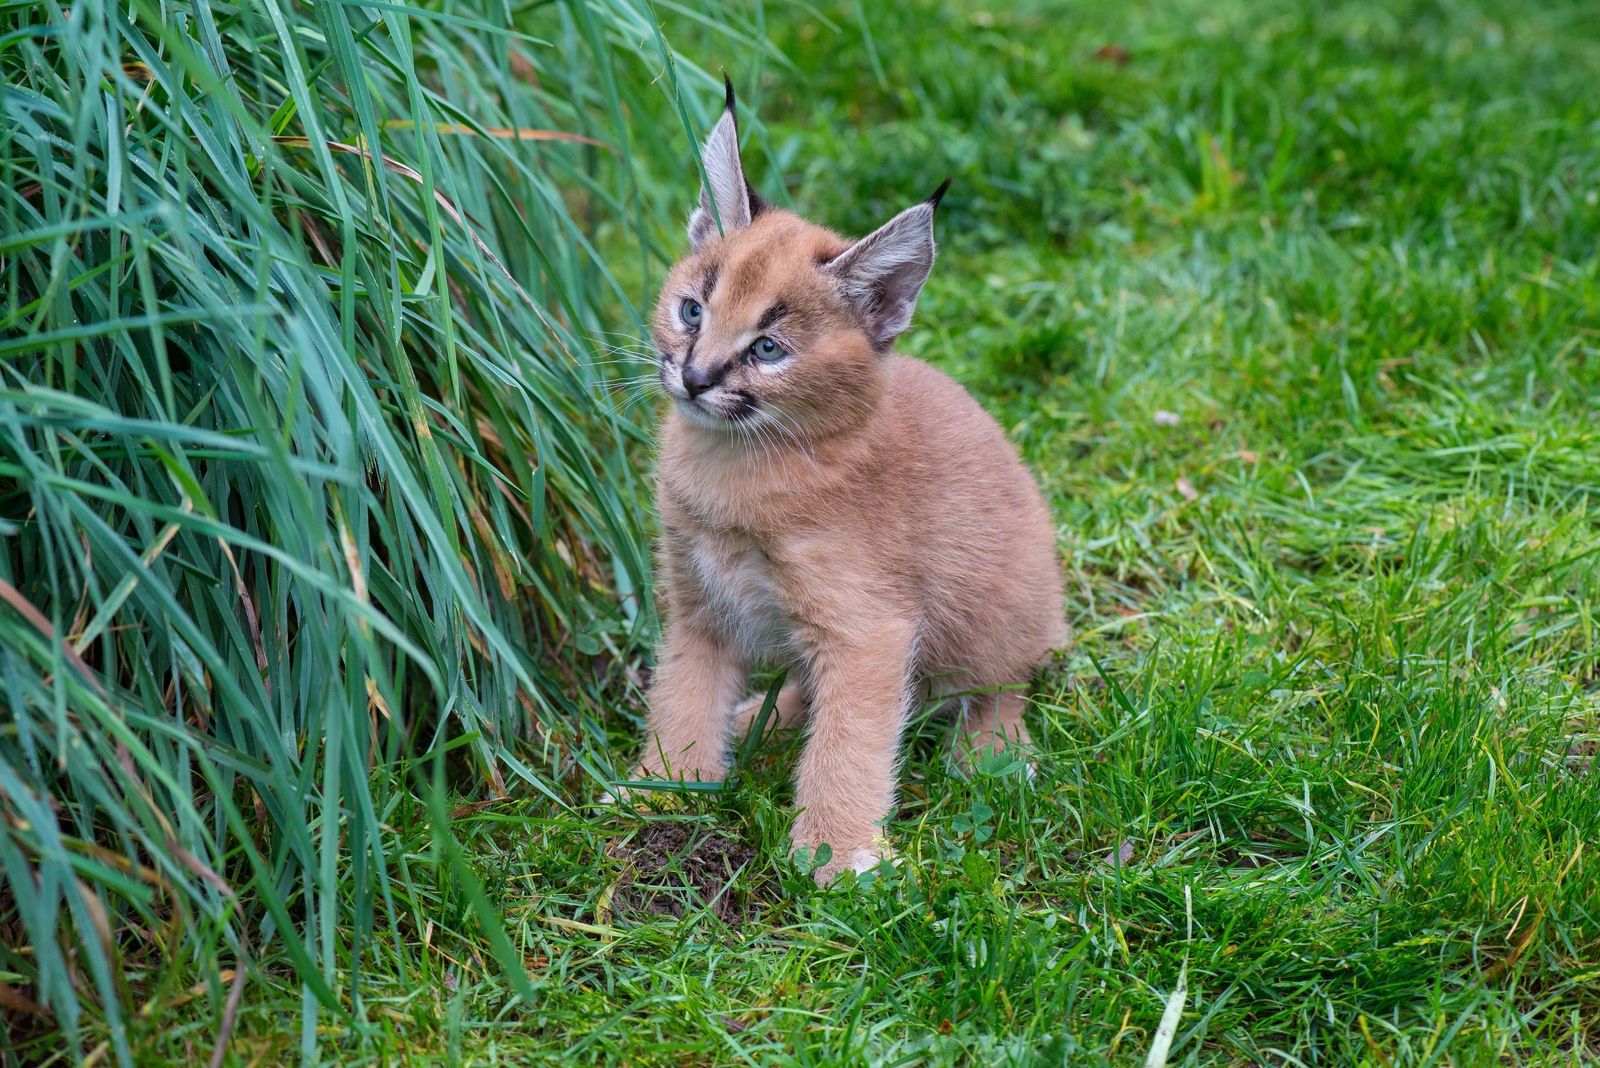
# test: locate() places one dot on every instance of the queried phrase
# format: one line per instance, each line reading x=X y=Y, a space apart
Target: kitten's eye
x=764 y=348
x=691 y=312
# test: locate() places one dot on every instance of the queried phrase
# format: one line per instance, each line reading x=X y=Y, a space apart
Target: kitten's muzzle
x=696 y=380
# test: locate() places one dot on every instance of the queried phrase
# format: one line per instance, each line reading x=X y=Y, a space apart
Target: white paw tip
x=865 y=860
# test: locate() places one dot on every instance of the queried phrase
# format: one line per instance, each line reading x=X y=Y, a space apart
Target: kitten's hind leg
x=991 y=722
x=788 y=714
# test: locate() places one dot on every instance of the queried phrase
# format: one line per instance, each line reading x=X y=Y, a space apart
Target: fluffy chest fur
x=736 y=525
x=735 y=580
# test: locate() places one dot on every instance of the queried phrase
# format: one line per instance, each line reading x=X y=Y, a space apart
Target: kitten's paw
x=788 y=713
x=865 y=860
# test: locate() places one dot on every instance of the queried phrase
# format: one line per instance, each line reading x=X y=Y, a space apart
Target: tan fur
x=871 y=529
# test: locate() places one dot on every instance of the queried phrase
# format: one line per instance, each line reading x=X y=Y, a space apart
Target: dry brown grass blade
x=13 y=596
x=250 y=617
x=230 y=1014
x=14 y=1000
x=199 y=868
x=147 y=558
x=143 y=872
x=463 y=811
x=507 y=133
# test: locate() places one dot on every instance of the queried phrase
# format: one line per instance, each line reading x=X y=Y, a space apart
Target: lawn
x=1295 y=311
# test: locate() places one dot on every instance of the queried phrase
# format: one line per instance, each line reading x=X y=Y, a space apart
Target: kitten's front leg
x=860 y=689
x=691 y=704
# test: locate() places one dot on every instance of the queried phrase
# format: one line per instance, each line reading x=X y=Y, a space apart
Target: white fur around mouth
x=702 y=415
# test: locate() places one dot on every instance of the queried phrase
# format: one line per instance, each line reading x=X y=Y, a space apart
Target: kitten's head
x=774 y=327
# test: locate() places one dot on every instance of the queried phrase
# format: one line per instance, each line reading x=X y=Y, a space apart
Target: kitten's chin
x=701 y=416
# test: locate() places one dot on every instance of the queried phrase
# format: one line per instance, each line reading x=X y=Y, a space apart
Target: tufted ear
x=735 y=203
x=883 y=273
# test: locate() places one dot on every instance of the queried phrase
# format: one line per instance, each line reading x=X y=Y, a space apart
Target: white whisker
x=791 y=430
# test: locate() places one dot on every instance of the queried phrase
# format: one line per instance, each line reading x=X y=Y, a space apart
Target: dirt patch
x=1581 y=756
x=670 y=869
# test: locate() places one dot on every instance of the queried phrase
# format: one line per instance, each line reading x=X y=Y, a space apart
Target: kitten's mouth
x=736 y=408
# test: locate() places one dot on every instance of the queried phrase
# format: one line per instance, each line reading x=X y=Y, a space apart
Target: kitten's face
x=776 y=329
x=754 y=336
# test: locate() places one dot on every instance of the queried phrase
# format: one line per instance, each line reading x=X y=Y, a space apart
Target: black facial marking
x=710 y=282
x=709 y=374
x=771 y=316
x=744 y=406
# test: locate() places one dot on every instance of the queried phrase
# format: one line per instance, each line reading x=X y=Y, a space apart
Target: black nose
x=696 y=380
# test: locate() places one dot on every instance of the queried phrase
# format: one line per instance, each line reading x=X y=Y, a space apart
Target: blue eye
x=691 y=312
x=764 y=348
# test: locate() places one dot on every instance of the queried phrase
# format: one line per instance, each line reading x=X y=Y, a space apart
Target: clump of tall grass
x=303 y=479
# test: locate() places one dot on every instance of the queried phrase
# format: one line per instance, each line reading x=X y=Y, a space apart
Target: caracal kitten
x=832 y=507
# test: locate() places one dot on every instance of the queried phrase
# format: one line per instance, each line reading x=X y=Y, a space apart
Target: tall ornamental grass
x=312 y=503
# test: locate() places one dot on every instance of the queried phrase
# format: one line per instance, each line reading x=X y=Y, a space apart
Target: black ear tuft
x=757 y=203
x=725 y=203
x=938 y=194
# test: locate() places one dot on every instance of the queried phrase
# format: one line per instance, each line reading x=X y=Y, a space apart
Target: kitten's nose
x=696 y=380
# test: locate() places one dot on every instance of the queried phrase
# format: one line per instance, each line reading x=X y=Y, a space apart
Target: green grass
x=1325 y=751
x=311 y=500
